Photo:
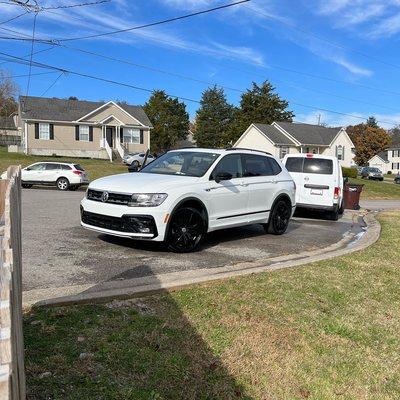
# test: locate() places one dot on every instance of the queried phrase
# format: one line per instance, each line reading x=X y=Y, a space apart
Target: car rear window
x=65 y=167
x=309 y=165
x=294 y=164
x=78 y=167
x=320 y=166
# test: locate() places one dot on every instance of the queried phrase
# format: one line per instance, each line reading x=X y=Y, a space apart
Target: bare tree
x=8 y=93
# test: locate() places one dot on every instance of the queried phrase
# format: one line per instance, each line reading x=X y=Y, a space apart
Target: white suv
x=186 y=193
x=62 y=175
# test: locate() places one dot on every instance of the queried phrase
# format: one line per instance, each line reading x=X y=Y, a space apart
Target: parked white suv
x=62 y=175
x=137 y=159
x=186 y=193
x=319 y=182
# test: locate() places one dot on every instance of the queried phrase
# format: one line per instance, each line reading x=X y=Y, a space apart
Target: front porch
x=119 y=139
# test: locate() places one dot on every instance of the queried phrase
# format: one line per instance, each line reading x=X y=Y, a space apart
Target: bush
x=349 y=172
x=389 y=172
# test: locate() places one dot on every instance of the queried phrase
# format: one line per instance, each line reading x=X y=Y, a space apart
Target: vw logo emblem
x=104 y=197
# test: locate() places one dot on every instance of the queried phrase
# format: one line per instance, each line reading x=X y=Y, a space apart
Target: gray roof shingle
x=384 y=155
x=308 y=134
x=274 y=134
x=54 y=109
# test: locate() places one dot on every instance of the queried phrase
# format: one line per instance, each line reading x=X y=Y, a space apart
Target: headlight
x=147 y=199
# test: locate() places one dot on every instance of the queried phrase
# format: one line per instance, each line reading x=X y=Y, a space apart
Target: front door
x=109 y=136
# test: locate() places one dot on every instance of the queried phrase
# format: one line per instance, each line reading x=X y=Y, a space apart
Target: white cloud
x=353 y=68
x=386 y=28
x=386 y=121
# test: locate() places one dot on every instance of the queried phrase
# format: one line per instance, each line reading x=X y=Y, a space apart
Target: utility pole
x=319 y=119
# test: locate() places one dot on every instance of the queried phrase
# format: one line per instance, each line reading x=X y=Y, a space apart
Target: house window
x=131 y=135
x=84 y=133
x=395 y=165
x=340 y=152
x=395 y=153
x=314 y=150
x=283 y=151
x=44 y=131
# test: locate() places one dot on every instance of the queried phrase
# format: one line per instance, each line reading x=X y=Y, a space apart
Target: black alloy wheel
x=186 y=230
x=279 y=218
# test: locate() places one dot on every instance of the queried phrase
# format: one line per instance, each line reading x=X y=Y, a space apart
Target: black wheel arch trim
x=179 y=204
x=281 y=196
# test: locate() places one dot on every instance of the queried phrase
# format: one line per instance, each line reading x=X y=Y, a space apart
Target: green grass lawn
x=95 y=168
x=377 y=190
x=328 y=330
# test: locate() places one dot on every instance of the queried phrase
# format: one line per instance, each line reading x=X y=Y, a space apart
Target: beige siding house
x=281 y=138
x=387 y=160
x=77 y=128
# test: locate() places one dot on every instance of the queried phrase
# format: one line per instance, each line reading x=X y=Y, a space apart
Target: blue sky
x=351 y=43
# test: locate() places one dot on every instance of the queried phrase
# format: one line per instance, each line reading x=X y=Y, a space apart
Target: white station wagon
x=186 y=193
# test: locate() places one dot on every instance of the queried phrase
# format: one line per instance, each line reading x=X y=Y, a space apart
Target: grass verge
x=322 y=331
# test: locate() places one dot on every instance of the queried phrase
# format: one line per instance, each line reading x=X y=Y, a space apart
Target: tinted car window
x=318 y=166
x=276 y=168
x=52 y=167
x=231 y=164
x=256 y=165
x=294 y=164
x=76 y=166
x=36 y=167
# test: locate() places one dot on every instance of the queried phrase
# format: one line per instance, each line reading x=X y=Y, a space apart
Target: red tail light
x=309 y=155
x=336 y=193
x=77 y=172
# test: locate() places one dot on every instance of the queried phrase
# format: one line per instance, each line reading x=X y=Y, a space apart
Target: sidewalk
x=380 y=204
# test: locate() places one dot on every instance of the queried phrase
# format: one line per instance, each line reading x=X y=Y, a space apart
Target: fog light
x=144 y=230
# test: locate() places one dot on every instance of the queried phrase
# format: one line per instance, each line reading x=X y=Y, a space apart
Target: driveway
x=59 y=254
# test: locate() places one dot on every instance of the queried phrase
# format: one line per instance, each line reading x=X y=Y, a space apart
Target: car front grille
x=114 y=198
x=143 y=224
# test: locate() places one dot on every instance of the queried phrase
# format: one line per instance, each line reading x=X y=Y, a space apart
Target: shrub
x=389 y=172
x=349 y=172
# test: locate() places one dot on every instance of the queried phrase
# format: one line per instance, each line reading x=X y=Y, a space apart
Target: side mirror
x=223 y=176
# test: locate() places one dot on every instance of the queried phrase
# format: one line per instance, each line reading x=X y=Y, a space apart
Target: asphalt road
x=57 y=252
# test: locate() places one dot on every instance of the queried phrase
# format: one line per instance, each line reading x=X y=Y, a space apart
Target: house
x=281 y=138
x=78 y=128
x=387 y=160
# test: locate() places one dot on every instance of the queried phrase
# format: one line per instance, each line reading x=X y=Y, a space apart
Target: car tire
x=334 y=215
x=26 y=185
x=341 y=209
x=186 y=230
x=135 y=164
x=62 y=184
x=279 y=218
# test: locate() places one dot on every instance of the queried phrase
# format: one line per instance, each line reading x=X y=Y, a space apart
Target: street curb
x=174 y=281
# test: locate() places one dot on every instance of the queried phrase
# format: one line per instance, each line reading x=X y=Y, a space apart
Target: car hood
x=141 y=182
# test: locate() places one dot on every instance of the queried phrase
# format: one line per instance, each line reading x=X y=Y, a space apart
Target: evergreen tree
x=372 y=122
x=259 y=105
x=169 y=118
x=213 y=118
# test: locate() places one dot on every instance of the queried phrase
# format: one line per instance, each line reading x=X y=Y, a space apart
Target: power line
x=31 y=55
x=14 y=18
x=55 y=81
x=75 y=5
x=277 y=67
x=23 y=61
x=165 y=21
x=25 y=75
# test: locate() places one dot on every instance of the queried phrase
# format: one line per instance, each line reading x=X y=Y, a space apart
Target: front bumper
x=146 y=223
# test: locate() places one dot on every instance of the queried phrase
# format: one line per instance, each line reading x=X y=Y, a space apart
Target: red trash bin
x=351 y=196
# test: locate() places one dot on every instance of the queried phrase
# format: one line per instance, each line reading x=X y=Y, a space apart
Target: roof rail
x=243 y=148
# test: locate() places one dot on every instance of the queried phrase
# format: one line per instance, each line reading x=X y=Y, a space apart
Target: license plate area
x=316 y=192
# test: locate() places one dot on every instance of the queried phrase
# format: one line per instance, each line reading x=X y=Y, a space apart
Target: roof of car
x=55 y=162
x=221 y=151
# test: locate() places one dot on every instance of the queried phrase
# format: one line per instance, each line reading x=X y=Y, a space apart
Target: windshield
x=374 y=170
x=187 y=163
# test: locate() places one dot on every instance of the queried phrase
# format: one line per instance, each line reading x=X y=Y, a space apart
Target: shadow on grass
x=126 y=349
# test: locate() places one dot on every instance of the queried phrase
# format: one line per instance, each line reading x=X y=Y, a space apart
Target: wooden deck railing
x=12 y=372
